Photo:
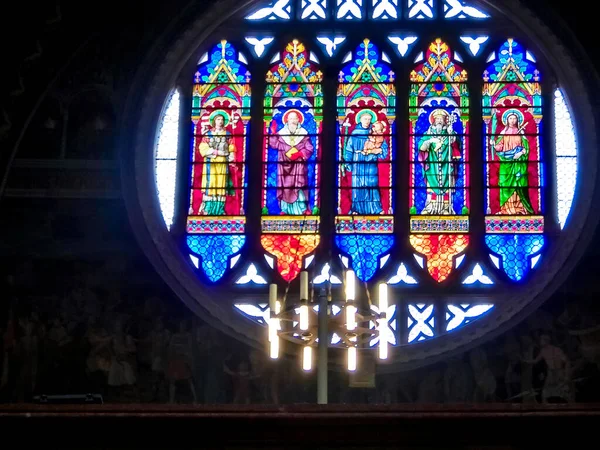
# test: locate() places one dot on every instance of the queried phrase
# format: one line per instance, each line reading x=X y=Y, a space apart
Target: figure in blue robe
x=361 y=158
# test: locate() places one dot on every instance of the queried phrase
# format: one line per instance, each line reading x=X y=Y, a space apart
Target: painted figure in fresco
x=439 y=153
x=218 y=150
x=365 y=147
x=512 y=148
x=294 y=148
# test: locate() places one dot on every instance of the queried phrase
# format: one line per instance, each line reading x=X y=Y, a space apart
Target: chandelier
x=325 y=322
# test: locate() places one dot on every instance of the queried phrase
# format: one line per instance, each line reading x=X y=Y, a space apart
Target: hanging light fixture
x=297 y=322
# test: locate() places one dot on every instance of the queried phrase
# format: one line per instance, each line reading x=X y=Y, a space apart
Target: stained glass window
x=319 y=186
x=385 y=9
x=439 y=160
x=474 y=43
x=459 y=9
x=566 y=157
x=293 y=114
x=420 y=9
x=512 y=114
x=165 y=169
x=330 y=43
x=220 y=121
x=463 y=314
x=366 y=110
x=349 y=9
x=403 y=43
x=313 y=9
x=276 y=10
x=420 y=321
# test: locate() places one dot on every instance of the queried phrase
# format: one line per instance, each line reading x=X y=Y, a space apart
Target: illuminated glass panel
x=403 y=43
x=259 y=44
x=474 y=43
x=439 y=160
x=420 y=321
x=313 y=9
x=566 y=157
x=420 y=9
x=512 y=115
x=458 y=316
x=458 y=9
x=366 y=105
x=330 y=43
x=220 y=128
x=165 y=164
x=384 y=9
x=276 y=10
x=477 y=276
x=349 y=9
x=293 y=114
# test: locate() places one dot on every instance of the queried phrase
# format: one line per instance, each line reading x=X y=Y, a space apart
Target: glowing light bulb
x=307 y=358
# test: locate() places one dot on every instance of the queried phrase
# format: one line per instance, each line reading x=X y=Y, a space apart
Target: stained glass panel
x=349 y=9
x=439 y=159
x=220 y=128
x=420 y=9
x=459 y=9
x=512 y=115
x=330 y=43
x=460 y=315
x=313 y=9
x=293 y=113
x=515 y=252
x=214 y=251
x=366 y=102
x=385 y=9
x=420 y=321
x=403 y=43
x=276 y=10
x=165 y=169
x=474 y=43
x=566 y=157
x=259 y=44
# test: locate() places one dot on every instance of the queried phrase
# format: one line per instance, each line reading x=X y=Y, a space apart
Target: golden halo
x=219 y=112
x=366 y=111
x=438 y=112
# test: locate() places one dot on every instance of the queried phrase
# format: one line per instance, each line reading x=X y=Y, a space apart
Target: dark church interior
x=86 y=294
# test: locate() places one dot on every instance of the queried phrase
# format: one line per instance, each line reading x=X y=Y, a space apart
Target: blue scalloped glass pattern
x=513 y=63
x=515 y=251
x=364 y=251
x=214 y=252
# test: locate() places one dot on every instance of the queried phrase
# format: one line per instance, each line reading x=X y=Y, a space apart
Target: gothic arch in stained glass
x=439 y=160
x=293 y=115
x=216 y=222
x=366 y=112
x=512 y=113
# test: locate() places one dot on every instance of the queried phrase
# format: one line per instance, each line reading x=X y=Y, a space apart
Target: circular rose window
x=435 y=158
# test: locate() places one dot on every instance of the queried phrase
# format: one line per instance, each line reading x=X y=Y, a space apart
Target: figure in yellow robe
x=218 y=151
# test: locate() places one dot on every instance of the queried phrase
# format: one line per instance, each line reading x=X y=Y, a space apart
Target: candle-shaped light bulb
x=350 y=285
x=350 y=317
x=307 y=358
x=274 y=347
x=272 y=298
x=351 y=359
x=274 y=307
x=304 y=317
x=383 y=321
x=304 y=285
